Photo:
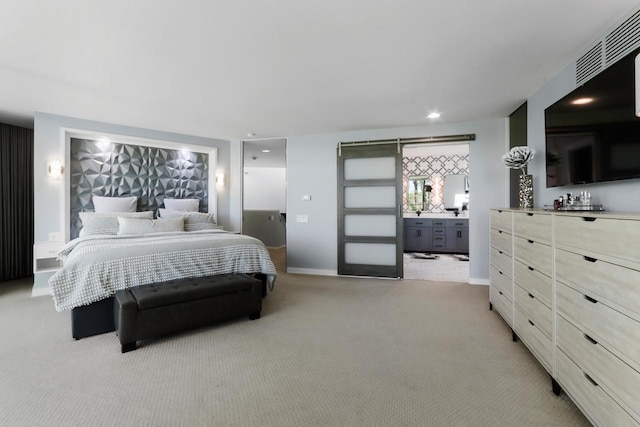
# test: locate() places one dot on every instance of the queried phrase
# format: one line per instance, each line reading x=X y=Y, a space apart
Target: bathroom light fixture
x=55 y=169
x=433 y=115
x=638 y=85
x=266 y=151
x=220 y=180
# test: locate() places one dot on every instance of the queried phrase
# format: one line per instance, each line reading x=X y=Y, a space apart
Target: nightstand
x=45 y=265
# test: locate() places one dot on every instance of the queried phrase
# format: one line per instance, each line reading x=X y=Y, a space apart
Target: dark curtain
x=16 y=202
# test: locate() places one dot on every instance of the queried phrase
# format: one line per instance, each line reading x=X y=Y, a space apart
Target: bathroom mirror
x=418 y=193
x=456 y=192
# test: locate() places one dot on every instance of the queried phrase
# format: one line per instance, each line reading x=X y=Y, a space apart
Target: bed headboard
x=149 y=173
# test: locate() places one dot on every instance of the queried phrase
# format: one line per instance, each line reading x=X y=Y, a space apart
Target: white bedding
x=95 y=267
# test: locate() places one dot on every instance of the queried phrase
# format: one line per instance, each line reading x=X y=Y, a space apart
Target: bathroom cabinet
x=436 y=235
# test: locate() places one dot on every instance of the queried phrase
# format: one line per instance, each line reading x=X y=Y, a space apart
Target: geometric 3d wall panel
x=149 y=173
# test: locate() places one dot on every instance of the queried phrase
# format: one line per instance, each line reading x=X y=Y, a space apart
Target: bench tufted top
x=189 y=289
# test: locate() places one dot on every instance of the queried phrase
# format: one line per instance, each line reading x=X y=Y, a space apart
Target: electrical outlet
x=55 y=237
x=302 y=218
x=306 y=197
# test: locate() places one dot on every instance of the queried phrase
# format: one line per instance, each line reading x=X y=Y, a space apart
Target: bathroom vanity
x=438 y=235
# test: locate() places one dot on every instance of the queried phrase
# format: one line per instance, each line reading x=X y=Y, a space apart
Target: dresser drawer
x=534 y=309
x=502 y=304
x=533 y=253
x=533 y=281
x=501 y=281
x=536 y=226
x=611 y=373
x=616 y=331
x=619 y=285
x=539 y=344
x=614 y=237
x=501 y=219
x=501 y=261
x=501 y=240
x=594 y=401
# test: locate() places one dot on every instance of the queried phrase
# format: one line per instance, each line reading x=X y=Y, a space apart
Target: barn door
x=370 y=234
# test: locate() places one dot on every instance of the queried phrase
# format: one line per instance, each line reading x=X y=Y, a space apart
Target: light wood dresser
x=568 y=285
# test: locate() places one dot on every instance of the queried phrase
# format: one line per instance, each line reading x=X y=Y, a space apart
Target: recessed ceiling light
x=582 y=101
x=433 y=115
x=266 y=151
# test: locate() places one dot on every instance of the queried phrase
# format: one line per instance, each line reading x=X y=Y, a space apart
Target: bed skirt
x=92 y=319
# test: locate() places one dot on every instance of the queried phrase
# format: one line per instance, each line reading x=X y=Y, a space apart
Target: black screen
x=600 y=140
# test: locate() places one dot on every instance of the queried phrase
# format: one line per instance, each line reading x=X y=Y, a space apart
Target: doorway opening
x=436 y=211
x=264 y=195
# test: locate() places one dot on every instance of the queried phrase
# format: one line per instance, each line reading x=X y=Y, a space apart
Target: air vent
x=589 y=64
x=622 y=39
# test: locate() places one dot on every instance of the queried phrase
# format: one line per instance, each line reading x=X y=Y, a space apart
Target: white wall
x=312 y=170
x=265 y=189
x=49 y=145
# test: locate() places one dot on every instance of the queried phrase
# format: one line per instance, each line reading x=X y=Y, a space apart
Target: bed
x=97 y=265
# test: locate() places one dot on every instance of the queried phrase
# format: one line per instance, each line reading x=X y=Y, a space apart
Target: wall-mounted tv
x=593 y=134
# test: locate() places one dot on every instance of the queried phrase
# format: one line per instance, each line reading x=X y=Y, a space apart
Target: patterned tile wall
x=436 y=167
x=151 y=174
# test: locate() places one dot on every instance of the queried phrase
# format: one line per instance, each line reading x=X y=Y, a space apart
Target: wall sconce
x=220 y=180
x=638 y=85
x=55 y=169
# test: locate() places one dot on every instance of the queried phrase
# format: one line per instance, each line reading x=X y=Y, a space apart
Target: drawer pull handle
x=531 y=269
x=499 y=231
x=500 y=252
x=529 y=214
x=500 y=272
x=588 y=258
x=530 y=296
x=499 y=211
x=591 y=340
x=419 y=223
x=531 y=241
x=589 y=218
x=588 y=298
x=500 y=292
x=590 y=379
x=531 y=323
x=459 y=223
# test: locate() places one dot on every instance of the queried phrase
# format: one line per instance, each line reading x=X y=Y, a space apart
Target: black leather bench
x=157 y=309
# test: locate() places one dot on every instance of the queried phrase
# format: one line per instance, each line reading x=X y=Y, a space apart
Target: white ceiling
x=223 y=69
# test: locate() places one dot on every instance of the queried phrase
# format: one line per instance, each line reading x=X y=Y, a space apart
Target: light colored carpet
x=445 y=268
x=326 y=352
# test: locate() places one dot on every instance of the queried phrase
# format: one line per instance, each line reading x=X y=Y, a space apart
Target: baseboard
x=312 y=271
x=39 y=292
x=476 y=281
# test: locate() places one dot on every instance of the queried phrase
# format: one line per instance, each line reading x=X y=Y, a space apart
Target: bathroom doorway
x=436 y=211
x=264 y=195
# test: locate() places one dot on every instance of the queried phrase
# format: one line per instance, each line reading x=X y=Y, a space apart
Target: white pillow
x=106 y=222
x=146 y=226
x=193 y=221
x=115 y=204
x=184 y=205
